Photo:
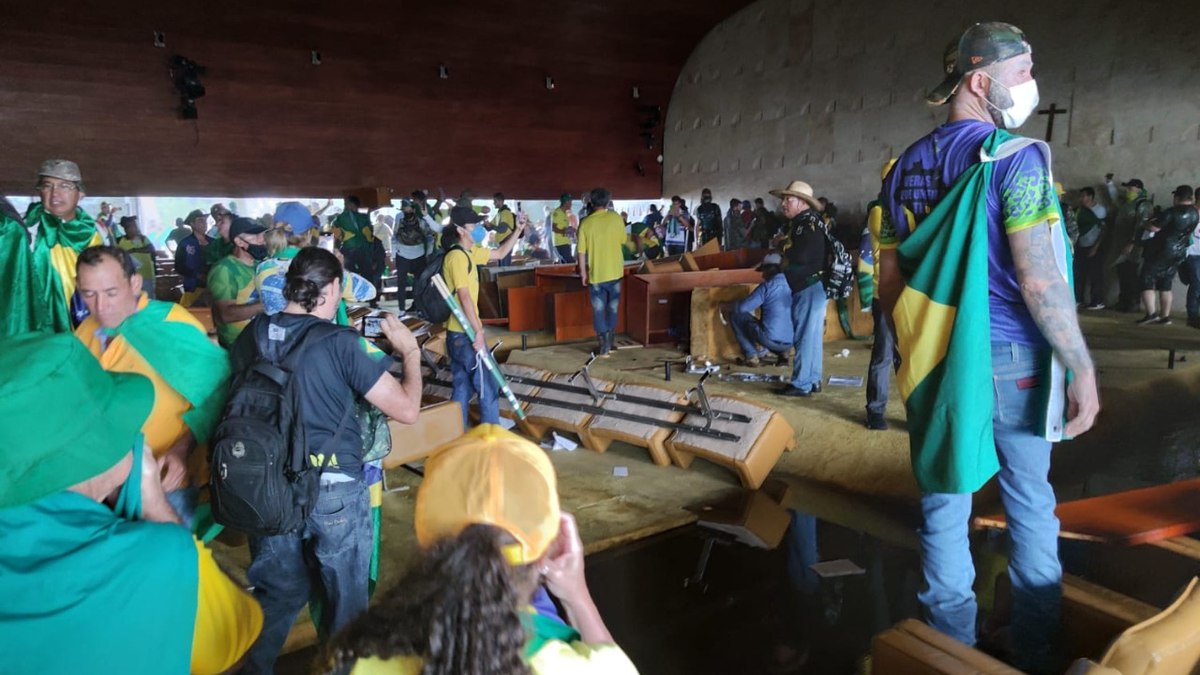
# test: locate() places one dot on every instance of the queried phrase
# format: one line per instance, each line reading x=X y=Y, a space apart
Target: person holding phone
x=492 y=533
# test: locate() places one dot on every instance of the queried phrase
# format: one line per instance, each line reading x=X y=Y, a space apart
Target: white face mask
x=1024 y=101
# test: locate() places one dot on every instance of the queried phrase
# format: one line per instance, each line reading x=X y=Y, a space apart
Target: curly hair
x=457 y=610
x=308 y=274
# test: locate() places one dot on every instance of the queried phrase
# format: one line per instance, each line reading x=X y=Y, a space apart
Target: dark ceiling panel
x=83 y=80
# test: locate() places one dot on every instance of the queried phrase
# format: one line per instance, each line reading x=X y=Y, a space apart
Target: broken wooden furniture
x=1126 y=518
x=437 y=425
x=763 y=440
x=1092 y=616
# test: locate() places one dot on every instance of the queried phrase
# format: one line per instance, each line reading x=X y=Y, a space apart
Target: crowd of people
x=105 y=506
x=102 y=505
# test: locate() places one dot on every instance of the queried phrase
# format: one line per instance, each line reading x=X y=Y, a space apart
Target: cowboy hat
x=798 y=188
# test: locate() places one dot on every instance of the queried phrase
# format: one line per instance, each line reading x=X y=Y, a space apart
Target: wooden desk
x=659 y=303
x=1127 y=518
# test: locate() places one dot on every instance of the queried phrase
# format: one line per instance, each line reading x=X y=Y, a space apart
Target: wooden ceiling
x=83 y=80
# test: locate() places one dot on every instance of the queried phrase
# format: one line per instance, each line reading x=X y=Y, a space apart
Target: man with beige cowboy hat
x=804 y=260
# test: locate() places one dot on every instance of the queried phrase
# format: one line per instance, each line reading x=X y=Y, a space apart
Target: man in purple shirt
x=1032 y=312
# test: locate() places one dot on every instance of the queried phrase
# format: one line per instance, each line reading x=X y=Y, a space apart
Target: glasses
x=60 y=187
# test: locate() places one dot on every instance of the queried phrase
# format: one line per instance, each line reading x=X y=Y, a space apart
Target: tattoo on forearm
x=1047 y=295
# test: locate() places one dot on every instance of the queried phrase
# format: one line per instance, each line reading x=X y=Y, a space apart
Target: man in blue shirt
x=773 y=332
x=990 y=84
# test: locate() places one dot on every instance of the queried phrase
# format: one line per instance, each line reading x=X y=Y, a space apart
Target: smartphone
x=327 y=242
x=372 y=326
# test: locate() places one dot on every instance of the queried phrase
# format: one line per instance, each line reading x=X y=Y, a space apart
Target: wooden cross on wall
x=1051 y=112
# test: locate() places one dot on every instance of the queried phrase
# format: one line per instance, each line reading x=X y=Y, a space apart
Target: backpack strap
x=310 y=335
x=470 y=262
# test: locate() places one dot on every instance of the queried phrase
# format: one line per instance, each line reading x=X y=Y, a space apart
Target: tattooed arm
x=1053 y=308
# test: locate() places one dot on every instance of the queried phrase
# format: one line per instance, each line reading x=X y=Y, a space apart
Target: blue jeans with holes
x=472 y=379
x=606 y=300
x=808 y=319
x=329 y=558
x=750 y=335
x=1018 y=373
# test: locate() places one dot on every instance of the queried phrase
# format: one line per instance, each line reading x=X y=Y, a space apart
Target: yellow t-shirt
x=554 y=658
x=459 y=274
x=600 y=237
x=165 y=424
x=145 y=261
x=504 y=224
x=228 y=619
x=560 y=220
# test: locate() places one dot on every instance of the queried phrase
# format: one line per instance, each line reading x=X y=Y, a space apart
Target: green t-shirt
x=231 y=279
x=600 y=238
x=217 y=248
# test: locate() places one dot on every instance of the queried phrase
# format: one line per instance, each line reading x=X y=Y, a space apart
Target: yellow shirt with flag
x=459 y=272
x=600 y=238
x=165 y=424
x=231 y=279
x=145 y=261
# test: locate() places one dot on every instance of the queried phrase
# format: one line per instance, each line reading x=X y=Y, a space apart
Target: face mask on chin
x=1023 y=100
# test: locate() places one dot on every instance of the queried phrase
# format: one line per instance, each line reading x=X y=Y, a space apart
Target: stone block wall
x=826 y=91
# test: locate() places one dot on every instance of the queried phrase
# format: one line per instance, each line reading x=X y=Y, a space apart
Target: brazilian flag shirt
x=232 y=279
x=1020 y=196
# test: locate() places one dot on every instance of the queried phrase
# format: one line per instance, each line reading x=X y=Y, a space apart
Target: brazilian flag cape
x=185 y=358
x=943 y=332
x=88 y=590
x=56 y=246
x=17 y=314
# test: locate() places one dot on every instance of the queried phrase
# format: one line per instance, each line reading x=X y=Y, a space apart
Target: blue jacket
x=775 y=298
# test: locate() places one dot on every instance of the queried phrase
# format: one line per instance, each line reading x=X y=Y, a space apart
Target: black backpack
x=410 y=234
x=839 y=268
x=262 y=482
x=427 y=301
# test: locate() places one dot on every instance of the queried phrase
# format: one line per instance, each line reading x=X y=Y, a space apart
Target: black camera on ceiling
x=185 y=74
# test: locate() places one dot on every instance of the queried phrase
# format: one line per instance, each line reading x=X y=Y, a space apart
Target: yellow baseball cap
x=490 y=476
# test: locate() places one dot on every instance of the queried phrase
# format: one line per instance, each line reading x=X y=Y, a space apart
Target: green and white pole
x=485 y=356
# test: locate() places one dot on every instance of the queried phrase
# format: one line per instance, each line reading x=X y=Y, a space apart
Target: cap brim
x=126 y=412
x=945 y=90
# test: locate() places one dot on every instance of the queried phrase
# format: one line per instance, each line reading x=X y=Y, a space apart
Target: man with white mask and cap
x=973 y=275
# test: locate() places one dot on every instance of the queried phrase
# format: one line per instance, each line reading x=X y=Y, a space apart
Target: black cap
x=1134 y=182
x=242 y=226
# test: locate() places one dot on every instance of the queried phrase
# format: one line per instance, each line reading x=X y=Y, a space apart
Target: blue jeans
x=564 y=253
x=808 y=319
x=471 y=379
x=1028 y=499
x=329 y=558
x=750 y=335
x=884 y=359
x=606 y=300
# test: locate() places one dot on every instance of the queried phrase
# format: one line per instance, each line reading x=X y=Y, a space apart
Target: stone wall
x=826 y=91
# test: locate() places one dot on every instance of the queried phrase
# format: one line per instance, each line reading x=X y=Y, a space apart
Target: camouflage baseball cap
x=981 y=45
x=62 y=169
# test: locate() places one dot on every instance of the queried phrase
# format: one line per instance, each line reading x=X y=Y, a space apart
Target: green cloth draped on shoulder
x=943 y=333
x=186 y=359
x=52 y=265
x=66 y=563
x=17 y=313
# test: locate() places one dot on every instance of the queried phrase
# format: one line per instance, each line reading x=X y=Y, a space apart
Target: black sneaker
x=1146 y=320
x=793 y=392
x=1163 y=321
x=876 y=422
x=1194 y=322
x=816 y=388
